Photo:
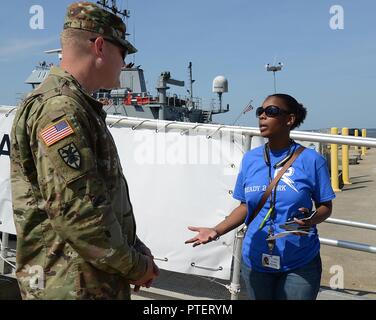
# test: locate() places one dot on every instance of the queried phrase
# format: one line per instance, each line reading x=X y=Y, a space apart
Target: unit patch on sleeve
x=70 y=155
x=56 y=132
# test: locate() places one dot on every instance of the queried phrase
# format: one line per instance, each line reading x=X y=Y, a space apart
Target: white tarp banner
x=175 y=180
x=6 y=214
x=178 y=181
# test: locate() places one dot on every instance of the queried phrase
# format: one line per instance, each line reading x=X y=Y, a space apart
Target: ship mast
x=190 y=84
x=111 y=5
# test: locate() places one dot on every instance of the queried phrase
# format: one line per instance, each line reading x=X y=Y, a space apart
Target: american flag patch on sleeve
x=56 y=132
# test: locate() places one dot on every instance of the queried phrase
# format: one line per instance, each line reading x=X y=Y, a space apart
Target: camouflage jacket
x=76 y=236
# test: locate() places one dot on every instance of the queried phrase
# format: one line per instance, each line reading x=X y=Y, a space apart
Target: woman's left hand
x=306 y=224
x=323 y=212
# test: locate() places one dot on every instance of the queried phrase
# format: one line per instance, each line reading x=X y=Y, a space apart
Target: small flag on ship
x=248 y=107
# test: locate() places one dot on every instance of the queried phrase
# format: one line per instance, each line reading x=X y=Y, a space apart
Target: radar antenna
x=111 y=5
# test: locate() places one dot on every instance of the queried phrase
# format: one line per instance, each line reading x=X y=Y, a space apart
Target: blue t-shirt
x=307 y=179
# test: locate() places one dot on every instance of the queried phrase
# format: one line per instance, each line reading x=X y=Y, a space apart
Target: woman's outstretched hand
x=204 y=235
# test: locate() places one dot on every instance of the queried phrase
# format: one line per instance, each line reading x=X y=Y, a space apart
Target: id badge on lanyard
x=271 y=261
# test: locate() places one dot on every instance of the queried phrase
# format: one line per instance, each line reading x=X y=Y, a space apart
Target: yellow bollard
x=334 y=163
x=364 y=134
x=356 y=134
x=345 y=159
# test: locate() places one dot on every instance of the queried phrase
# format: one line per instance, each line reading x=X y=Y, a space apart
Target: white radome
x=220 y=84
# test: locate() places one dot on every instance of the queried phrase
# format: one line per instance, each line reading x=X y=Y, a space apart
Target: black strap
x=272 y=185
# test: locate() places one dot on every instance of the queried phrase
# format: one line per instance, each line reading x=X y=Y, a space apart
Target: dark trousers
x=299 y=284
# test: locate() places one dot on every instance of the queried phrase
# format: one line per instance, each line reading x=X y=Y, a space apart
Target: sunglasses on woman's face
x=270 y=111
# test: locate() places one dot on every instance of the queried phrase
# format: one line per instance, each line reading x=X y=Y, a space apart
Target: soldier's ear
x=99 y=47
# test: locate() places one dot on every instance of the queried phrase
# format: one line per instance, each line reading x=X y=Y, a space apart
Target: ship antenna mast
x=113 y=7
x=191 y=81
x=125 y=14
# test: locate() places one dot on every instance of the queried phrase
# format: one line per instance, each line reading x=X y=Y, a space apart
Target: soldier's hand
x=156 y=273
x=146 y=251
x=155 y=269
x=146 y=280
x=142 y=248
x=136 y=288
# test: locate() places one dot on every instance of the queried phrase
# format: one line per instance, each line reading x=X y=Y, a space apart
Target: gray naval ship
x=132 y=99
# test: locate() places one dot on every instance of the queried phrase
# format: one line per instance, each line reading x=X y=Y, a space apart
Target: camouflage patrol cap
x=90 y=17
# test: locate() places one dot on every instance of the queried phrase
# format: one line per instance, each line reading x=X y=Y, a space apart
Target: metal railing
x=212 y=129
x=250 y=131
x=348 y=244
x=348 y=223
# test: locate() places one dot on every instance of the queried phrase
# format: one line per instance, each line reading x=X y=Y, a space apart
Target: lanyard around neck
x=273 y=194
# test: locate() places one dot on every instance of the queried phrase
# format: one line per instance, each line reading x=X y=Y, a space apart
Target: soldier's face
x=115 y=56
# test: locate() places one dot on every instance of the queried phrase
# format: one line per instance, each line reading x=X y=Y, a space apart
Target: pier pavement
x=356 y=202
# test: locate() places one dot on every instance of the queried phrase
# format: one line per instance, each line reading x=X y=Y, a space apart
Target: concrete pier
x=356 y=202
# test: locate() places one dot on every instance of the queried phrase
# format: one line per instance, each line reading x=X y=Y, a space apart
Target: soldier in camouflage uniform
x=76 y=234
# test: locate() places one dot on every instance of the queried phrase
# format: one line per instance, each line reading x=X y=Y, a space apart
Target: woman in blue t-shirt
x=281 y=260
